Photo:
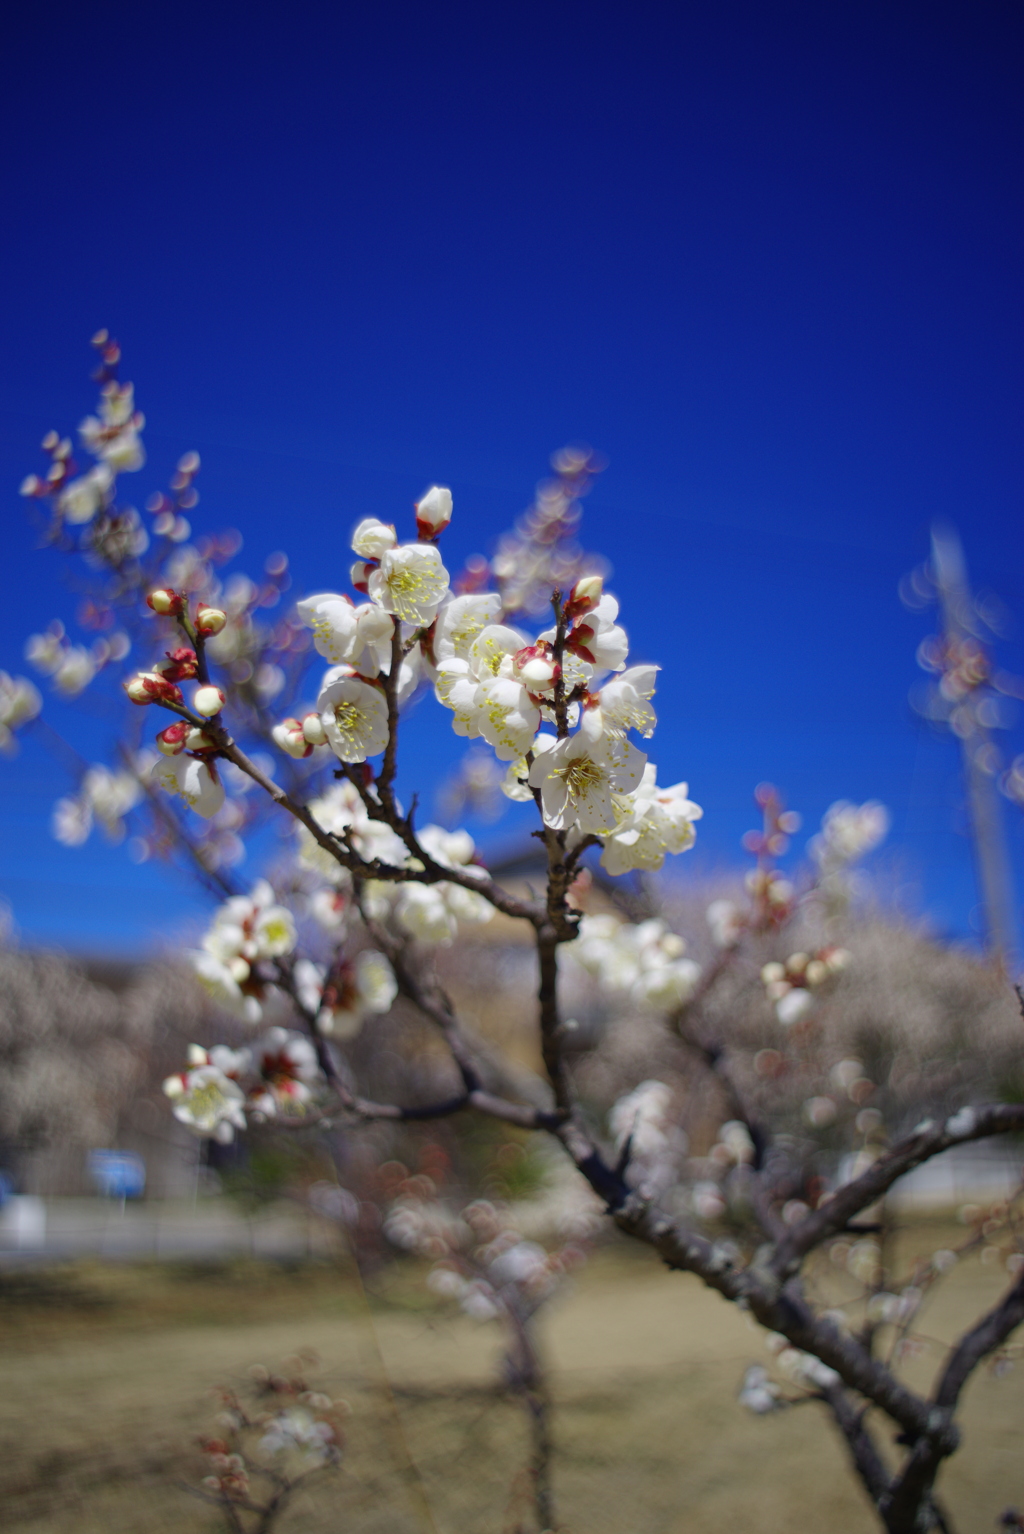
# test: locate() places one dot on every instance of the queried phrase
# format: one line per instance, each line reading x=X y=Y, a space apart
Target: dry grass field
x=107 y=1371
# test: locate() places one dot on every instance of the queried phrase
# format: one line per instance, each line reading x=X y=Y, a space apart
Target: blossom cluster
x=431 y=912
x=246 y=929
x=644 y=961
x=501 y=685
x=642 y=1119
x=236 y=966
x=848 y=833
x=481 y=1260
x=19 y=703
x=220 y=1086
x=791 y=985
x=288 y=1430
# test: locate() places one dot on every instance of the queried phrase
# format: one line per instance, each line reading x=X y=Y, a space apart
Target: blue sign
x=118 y=1174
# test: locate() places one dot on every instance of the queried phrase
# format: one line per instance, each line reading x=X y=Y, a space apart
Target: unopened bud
x=180 y=665
x=536 y=667
x=198 y=740
x=196 y=1055
x=289 y=736
x=209 y=620
x=360 y=573
x=31 y=485
x=584 y=596
x=313 y=730
x=434 y=511
x=151 y=687
x=208 y=701
x=166 y=602
x=172 y=740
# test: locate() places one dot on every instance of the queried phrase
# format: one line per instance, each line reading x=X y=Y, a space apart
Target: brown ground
x=106 y=1374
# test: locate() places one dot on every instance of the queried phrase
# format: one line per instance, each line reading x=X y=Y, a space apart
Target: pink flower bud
x=536 y=667
x=167 y=602
x=209 y=620
x=151 y=687
x=584 y=596
x=180 y=665
x=172 y=740
x=434 y=512
x=208 y=701
x=313 y=730
x=288 y=735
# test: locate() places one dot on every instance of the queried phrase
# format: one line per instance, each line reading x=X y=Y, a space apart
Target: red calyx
x=180 y=665
x=578 y=641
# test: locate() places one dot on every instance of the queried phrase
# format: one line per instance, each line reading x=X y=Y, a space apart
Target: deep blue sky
x=767 y=257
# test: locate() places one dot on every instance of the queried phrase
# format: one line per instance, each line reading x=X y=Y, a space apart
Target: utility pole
x=967 y=666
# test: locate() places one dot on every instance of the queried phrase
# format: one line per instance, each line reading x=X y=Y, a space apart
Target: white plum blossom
x=113 y=436
x=759 y=1393
x=82 y=498
x=346 y=634
x=246 y=929
x=624 y=704
x=340 y=811
x=222 y=978
x=354 y=716
x=19 y=702
x=516 y=783
x=642 y=1118
x=508 y=717
x=373 y=538
x=257 y=926
x=208 y=1102
x=848 y=832
x=577 y=778
x=462 y=620
x=192 y=780
x=804 y=1369
x=432 y=912
x=411 y=582
x=645 y=961
x=424 y=913
x=70 y=667
x=105 y=797
x=481 y=690
x=651 y=822
x=355 y=989
x=298 y=1431
x=329 y=908
x=287 y=1064
x=725 y=922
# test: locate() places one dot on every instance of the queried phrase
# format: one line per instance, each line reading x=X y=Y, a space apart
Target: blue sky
x=766 y=257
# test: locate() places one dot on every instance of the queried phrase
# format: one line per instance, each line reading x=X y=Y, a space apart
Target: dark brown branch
x=929 y=1140
x=984 y=1338
x=782 y=1309
x=867 y=1461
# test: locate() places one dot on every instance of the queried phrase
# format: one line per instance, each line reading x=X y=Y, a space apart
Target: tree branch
x=929 y=1140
